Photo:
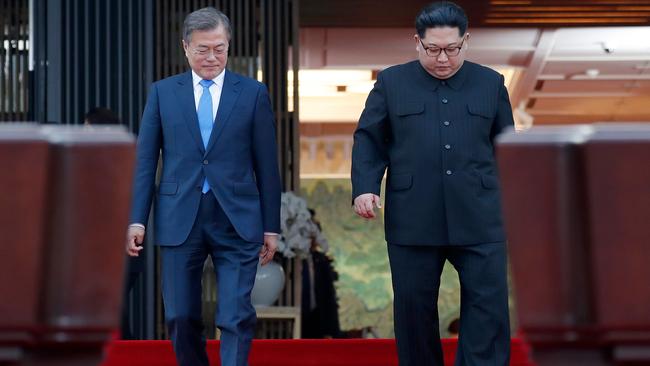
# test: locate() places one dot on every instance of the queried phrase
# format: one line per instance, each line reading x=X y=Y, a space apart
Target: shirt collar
x=218 y=81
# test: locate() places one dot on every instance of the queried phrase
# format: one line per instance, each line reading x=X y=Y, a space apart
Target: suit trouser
x=484 y=337
x=235 y=262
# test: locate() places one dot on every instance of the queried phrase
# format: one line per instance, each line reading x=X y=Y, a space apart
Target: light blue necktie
x=205 y=119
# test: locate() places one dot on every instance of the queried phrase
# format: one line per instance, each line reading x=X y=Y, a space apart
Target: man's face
x=207 y=52
x=450 y=46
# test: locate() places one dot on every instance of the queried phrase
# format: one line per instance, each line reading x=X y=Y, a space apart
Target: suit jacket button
x=205 y=162
x=447 y=146
x=446 y=123
x=448 y=172
x=444 y=100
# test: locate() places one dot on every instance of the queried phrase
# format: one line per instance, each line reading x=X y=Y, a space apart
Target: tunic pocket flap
x=481 y=110
x=400 y=182
x=406 y=109
x=489 y=181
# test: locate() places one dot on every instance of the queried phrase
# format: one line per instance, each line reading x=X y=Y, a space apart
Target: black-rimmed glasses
x=449 y=51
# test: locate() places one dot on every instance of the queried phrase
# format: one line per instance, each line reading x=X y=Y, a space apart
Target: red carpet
x=301 y=352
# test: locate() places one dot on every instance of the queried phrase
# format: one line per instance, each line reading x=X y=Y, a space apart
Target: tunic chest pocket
x=410 y=108
x=481 y=110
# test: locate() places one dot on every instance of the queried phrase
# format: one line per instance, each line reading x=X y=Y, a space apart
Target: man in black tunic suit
x=432 y=123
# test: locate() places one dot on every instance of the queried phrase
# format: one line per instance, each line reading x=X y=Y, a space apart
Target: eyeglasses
x=449 y=51
x=206 y=51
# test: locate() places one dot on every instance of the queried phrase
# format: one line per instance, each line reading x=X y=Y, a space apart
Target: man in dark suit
x=432 y=123
x=219 y=192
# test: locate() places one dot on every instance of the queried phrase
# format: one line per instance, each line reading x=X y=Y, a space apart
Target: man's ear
x=417 y=42
x=185 y=47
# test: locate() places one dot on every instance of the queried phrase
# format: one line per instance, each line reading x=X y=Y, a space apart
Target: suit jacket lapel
x=185 y=94
x=229 y=95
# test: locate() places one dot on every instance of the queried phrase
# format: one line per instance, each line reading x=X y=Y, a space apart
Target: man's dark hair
x=441 y=14
x=101 y=116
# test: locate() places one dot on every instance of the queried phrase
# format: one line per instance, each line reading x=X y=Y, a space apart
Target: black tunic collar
x=455 y=82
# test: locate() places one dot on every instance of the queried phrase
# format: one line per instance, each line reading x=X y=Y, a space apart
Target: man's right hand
x=134 y=239
x=364 y=205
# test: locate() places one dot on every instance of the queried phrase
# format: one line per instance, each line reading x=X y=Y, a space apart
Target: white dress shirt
x=215 y=91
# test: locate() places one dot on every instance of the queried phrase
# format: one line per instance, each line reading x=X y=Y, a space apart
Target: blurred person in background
x=134 y=265
x=320 y=317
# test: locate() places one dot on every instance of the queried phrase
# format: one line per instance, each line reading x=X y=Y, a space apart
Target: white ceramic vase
x=269 y=282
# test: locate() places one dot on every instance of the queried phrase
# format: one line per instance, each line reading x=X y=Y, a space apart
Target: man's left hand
x=268 y=249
